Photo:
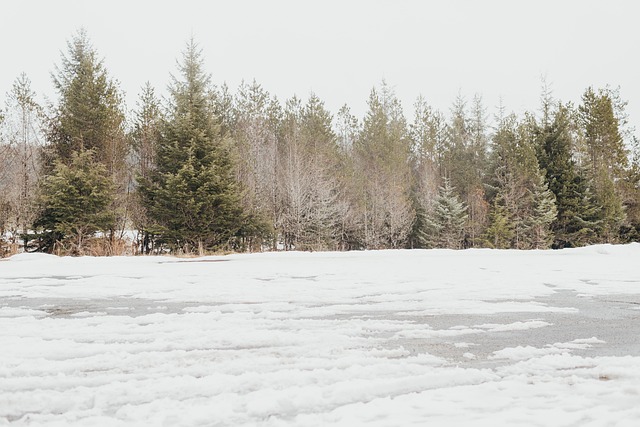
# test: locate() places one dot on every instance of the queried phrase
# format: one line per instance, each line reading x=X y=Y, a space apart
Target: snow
x=380 y=338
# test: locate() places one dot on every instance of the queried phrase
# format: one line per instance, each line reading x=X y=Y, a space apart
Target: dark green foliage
x=74 y=201
x=523 y=206
x=466 y=150
x=89 y=114
x=606 y=159
x=144 y=141
x=86 y=142
x=512 y=163
x=577 y=222
x=191 y=196
x=500 y=233
x=146 y=131
x=196 y=207
x=630 y=186
x=211 y=170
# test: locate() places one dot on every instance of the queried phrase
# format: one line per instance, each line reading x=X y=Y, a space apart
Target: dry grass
x=8 y=249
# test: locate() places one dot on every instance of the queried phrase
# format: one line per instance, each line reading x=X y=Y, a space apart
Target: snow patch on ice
x=529 y=352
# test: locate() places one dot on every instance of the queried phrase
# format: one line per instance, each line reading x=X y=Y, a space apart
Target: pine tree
x=631 y=193
x=89 y=112
x=424 y=133
x=458 y=155
x=501 y=230
x=144 y=137
x=383 y=169
x=88 y=118
x=514 y=174
x=543 y=215
x=74 y=201
x=464 y=160
x=446 y=220
x=192 y=195
x=577 y=220
x=606 y=159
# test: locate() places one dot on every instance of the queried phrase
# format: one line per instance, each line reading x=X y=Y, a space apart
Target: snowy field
x=389 y=338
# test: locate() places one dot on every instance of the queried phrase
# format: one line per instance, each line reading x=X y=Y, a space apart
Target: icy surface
x=389 y=338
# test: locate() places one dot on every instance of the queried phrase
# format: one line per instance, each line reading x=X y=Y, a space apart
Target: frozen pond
x=475 y=337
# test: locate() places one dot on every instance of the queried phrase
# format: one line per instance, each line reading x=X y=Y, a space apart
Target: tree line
x=208 y=170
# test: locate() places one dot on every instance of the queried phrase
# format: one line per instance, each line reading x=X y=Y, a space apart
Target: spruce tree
x=382 y=154
x=144 y=137
x=426 y=132
x=606 y=159
x=445 y=222
x=89 y=112
x=192 y=195
x=577 y=220
x=543 y=215
x=520 y=194
x=630 y=231
x=88 y=118
x=501 y=230
x=74 y=201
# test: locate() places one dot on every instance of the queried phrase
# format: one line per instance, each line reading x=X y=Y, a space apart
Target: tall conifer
x=577 y=221
x=192 y=195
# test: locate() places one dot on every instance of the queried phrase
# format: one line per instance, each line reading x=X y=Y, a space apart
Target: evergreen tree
x=446 y=220
x=521 y=193
x=89 y=117
x=631 y=193
x=425 y=133
x=577 y=221
x=464 y=160
x=543 y=215
x=74 y=201
x=478 y=155
x=144 y=140
x=192 y=196
x=458 y=155
x=146 y=131
x=89 y=112
x=347 y=128
x=508 y=184
x=383 y=171
x=606 y=159
x=501 y=230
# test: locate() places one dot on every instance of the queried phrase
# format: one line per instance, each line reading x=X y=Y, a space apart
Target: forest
x=204 y=170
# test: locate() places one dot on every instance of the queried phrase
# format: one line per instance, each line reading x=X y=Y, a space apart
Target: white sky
x=341 y=49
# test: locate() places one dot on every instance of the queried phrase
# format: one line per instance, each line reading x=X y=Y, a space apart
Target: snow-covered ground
x=389 y=338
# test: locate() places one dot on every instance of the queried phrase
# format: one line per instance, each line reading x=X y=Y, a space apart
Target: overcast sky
x=340 y=49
